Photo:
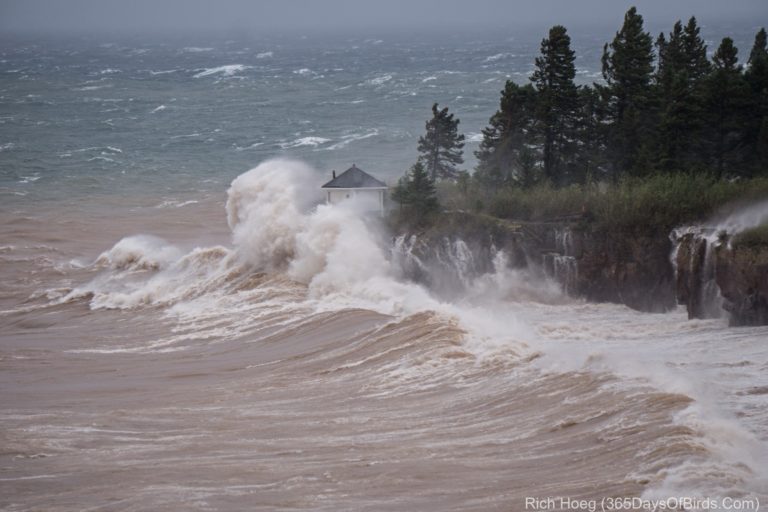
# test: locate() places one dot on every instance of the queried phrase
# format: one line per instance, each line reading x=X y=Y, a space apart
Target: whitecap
x=164 y=72
x=304 y=72
x=264 y=55
x=227 y=70
x=379 y=80
x=429 y=79
x=92 y=87
x=159 y=109
x=348 y=139
x=252 y=146
x=7 y=146
x=304 y=141
x=170 y=203
x=499 y=56
x=196 y=49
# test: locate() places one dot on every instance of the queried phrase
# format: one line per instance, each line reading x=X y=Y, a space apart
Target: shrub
x=752 y=238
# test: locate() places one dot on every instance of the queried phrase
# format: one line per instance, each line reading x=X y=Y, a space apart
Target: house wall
x=374 y=196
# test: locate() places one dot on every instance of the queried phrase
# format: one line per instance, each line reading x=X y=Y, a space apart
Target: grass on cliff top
x=752 y=238
x=661 y=202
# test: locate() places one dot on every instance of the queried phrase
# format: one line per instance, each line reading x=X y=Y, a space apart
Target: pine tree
x=416 y=192
x=442 y=146
x=726 y=99
x=557 y=105
x=628 y=71
x=505 y=156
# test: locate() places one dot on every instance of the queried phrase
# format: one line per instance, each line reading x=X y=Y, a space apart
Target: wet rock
x=631 y=268
x=742 y=275
x=695 y=279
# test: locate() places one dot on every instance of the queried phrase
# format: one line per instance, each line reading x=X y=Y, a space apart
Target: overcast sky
x=355 y=15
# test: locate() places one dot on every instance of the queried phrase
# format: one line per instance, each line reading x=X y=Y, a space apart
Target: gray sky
x=355 y=15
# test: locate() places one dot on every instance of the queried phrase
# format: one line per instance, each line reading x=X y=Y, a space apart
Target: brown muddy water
x=256 y=355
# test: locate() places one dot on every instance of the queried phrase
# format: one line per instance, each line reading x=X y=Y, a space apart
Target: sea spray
x=264 y=212
x=694 y=257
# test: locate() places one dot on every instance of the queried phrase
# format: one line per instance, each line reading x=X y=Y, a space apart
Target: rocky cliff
x=631 y=268
x=645 y=268
x=717 y=275
x=742 y=276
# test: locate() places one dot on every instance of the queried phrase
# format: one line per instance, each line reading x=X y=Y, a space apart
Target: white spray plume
x=744 y=218
x=337 y=251
x=264 y=211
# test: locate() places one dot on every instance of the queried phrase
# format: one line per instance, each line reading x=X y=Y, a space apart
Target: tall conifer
x=557 y=103
x=628 y=71
x=441 y=147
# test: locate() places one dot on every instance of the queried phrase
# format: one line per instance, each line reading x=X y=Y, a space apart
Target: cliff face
x=715 y=277
x=695 y=284
x=742 y=276
x=631 y=268
x=644 y=269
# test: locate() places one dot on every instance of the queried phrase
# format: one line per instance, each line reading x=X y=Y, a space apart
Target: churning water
x=176 y=337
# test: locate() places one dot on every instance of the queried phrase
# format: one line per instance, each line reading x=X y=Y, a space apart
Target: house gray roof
x=354 y=178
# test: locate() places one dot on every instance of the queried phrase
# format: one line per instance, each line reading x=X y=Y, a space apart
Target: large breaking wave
x=292 y=261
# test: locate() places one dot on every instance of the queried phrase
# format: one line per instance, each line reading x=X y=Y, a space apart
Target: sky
x=98 y=16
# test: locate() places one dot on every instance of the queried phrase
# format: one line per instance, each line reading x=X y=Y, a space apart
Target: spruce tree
x=442 y=146
x=628 y=71
x=591 y=136
x=505 y=156
x=757 y=121
x=759 y=48
x=695 y=52
x=557 y=103
x=416 y=192
x=726 y=99
x=681 y=73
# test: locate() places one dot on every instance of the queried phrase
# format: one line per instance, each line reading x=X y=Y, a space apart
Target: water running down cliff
x=697 y=250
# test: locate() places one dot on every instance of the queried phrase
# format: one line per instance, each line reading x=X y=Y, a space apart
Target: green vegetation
x=752 y=238
x=416 y=194
x=670 y=111
x=660 y=201
x=441 y=147
x=668 y=138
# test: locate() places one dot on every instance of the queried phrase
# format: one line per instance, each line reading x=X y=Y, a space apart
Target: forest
x=668 y=135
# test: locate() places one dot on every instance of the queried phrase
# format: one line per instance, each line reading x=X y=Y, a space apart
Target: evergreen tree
x=695 y=52
x=442 y=146
x=726 y=97
x=628 y=71
x=683 y=66
x=557 y=103
x=505 y=156
x=759 y=48
x=416 y=192
x=591 y=136
x=757 y=121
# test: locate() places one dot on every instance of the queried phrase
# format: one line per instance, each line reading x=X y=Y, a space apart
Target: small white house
x=356 y=183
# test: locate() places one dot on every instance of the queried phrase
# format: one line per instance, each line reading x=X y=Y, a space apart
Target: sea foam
x=227 y=70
